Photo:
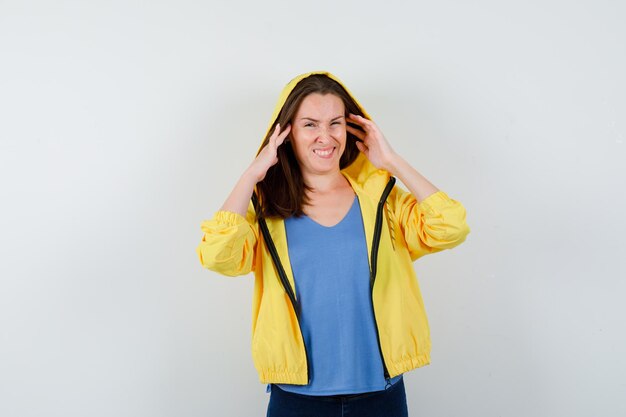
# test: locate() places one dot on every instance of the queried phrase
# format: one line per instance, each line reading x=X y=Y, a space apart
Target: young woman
x=338 y=316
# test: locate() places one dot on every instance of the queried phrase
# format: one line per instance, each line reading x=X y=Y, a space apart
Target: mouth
x=325 y=153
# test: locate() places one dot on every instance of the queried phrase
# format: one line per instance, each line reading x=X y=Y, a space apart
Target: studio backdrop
x=123 y=125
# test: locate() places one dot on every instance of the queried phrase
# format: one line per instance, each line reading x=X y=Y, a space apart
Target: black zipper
x=283 y=279
x=374 y=263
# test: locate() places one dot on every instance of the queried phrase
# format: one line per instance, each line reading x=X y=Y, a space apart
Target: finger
x=274 y=136
x=283 y=135
x=276 y=129
x=361 y=147
x=285 y=132
x=355 y=125
x=358 y=118
x=361 y=121
x=353 y=118
x=356 y=132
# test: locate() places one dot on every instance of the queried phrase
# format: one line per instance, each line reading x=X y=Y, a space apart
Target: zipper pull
x=388 y=383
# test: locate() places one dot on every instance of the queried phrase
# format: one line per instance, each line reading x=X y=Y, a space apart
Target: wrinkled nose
x=324 y=135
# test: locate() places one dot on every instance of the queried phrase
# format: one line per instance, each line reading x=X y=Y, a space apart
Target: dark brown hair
x=282 y=192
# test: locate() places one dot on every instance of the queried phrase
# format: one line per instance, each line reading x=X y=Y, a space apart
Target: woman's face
x=318 y=133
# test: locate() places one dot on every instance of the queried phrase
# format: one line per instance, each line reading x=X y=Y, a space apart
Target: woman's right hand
x=239 y=197
x=269 y=154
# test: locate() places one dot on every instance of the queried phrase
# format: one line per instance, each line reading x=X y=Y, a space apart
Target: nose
x=324 y=134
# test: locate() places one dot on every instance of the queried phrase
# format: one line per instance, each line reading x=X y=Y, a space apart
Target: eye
x=308 y=124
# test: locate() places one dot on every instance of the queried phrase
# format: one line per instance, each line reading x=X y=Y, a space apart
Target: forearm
x=417 y=184
x=239 y=198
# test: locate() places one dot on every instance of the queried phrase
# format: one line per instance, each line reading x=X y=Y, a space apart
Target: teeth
x=323 y=153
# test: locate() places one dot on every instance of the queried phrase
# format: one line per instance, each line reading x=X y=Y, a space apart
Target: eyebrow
x=314 y=120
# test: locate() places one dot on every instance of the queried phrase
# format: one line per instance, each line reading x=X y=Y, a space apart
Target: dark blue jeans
x=388 y=403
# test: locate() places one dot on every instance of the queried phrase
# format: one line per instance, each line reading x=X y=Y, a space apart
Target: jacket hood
x=361 y=170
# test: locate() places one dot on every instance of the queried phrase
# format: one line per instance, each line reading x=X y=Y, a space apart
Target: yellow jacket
x=234 y=245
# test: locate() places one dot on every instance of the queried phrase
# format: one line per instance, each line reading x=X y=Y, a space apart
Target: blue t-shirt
x=331 y=272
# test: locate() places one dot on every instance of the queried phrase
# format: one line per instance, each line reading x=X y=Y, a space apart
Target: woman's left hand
x=372 y=142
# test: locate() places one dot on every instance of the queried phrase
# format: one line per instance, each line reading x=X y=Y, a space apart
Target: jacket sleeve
x=229 y=243
x=432 y=225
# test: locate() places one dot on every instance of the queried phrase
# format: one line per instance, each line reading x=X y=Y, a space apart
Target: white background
x=124 y=124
